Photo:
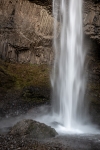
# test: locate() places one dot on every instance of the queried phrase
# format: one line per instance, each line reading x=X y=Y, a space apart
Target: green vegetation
x=17 y=76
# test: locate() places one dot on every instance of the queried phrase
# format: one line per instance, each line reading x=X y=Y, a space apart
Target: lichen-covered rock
x=33 y=129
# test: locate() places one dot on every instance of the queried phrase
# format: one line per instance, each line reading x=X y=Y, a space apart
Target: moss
x=7 y=81
x=17 y=76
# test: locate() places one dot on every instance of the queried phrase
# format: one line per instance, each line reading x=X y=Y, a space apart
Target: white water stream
x=68 y=79
x=69 y=110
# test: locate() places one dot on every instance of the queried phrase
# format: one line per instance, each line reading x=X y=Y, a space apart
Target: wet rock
x=67 y=142
x=36 y=94
x=16 y=102
x=93 y=79
x=33 y=129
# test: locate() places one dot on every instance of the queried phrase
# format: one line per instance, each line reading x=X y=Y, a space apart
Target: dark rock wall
x=91 y=23
x=26 y=29
x=91 y=19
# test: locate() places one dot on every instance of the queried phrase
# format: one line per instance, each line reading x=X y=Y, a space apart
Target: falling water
x=69 y=112
x=68 y=81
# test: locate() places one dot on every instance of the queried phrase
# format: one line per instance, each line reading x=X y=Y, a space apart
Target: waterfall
x=69 y=107
x=68 y=78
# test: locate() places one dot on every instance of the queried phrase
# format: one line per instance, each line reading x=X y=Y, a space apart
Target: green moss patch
x=18 y=76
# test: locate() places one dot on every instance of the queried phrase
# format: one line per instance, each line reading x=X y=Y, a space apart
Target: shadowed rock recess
x=26 y=29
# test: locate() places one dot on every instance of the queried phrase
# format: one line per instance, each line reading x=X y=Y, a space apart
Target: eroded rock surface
x=26 y=29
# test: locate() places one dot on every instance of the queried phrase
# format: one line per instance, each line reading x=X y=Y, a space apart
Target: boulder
x=32 y=129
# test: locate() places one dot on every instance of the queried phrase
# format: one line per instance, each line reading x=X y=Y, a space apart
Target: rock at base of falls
x=32 y=129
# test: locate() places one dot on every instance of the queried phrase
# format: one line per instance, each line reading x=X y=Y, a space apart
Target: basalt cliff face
x=26 y=29
x=91 y=19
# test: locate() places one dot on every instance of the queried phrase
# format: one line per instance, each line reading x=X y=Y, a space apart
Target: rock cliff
x=91 y=19
x=26 y=29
